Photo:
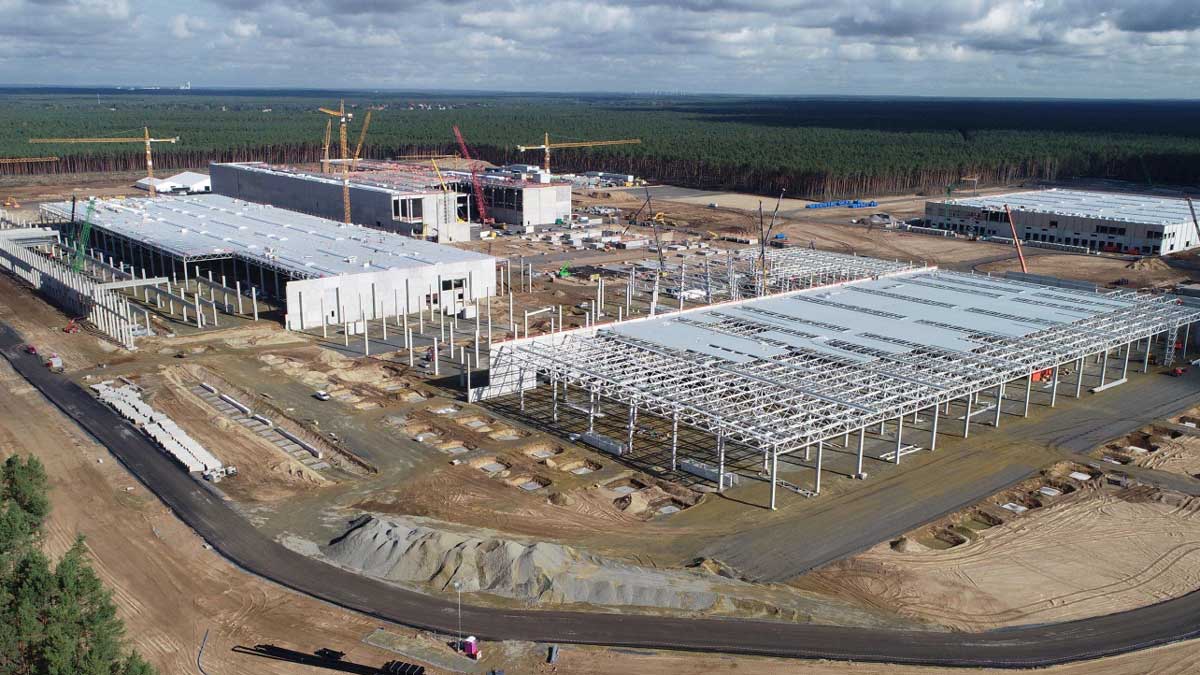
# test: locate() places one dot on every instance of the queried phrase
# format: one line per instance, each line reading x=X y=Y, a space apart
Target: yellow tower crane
x=145 y=138
x=547 y=146
x=343 y=120
x=362 y=134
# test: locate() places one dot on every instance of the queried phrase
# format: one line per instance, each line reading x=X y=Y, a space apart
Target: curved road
x=233 y=537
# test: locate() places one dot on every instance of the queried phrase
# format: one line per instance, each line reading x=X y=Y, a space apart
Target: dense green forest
x=55 y=618
x=847 y=147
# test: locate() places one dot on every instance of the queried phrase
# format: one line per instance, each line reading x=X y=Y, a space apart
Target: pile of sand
x=404 y=550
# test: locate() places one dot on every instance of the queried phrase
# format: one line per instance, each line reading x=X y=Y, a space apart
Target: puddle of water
x=668 y=510
x=492 y=468
x=625 y=489
x=581 y=471
x=531 y=486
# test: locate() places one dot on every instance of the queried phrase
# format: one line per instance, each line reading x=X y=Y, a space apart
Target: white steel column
x=1125 y=367
x=899 y=437
x=999 y=402
x=1079 y=377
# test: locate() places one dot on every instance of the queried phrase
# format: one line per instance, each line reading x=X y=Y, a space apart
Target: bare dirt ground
x=988 y=568
x=169 y=588
x=1177 y=659
x=1098 y=269
x=831 y=229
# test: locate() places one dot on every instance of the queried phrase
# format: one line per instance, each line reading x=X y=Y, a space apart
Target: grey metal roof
x=306 y=246
x=935 y=309
x=1130 y=208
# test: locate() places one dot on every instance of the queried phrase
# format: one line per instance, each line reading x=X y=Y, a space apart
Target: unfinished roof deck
x=786 y=371
x=302 y=246
x=1129 y=208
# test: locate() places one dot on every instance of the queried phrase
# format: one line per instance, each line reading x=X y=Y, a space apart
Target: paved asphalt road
x=245 y=546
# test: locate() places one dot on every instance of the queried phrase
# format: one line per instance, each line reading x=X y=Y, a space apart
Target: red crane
x=476 y=181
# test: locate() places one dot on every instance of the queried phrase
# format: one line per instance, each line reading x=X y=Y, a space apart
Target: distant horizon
x=177 y=89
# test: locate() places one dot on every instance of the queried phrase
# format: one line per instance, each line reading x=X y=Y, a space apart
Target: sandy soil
x=265 y=473
x=1101 y=270
x=1177 y=659
x=1054 y=563
x=169 y=588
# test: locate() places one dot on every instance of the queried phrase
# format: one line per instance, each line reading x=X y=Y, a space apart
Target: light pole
x=458 y=589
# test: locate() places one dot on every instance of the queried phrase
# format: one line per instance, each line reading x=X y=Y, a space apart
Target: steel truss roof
x=800 y=394
x=736 y=275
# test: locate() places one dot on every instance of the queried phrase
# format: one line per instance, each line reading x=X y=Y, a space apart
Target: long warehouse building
x=1100 y=221
x=320 y=271
x=414 y=206
x=832 y=365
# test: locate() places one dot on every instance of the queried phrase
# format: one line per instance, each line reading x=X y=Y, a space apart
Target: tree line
x=56 y=617
x=817 y=149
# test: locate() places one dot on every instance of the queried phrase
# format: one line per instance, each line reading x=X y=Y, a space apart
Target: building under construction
x=409 y=203
x=319 y=271
x=1098 y=221
x=414 y=199
x=862 y=357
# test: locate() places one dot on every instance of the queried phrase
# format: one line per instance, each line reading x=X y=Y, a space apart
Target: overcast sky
x=1056 y=48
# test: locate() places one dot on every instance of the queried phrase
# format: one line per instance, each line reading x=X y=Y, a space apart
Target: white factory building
x=1100 y=221
x=186 y=183
x=318 y=270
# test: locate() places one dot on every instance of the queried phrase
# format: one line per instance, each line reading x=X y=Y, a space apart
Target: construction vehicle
x=546 y=146
x=476 y=181
x=31 y=349
x=564 y=272
x=144 y=139
x=343 y=119
x=54 y=362
x=72 y=327
x=11 y=203
x=1178 y=371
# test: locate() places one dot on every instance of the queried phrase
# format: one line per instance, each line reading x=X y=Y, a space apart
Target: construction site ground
x=400 y=431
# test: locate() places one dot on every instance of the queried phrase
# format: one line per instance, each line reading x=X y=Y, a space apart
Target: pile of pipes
x=127 y=401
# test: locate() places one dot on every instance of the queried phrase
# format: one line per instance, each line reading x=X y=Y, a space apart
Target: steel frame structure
x=736 y=275
x=802 y=398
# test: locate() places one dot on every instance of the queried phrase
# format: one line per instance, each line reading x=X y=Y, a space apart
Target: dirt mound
x=1148 y=265
x=403 y=550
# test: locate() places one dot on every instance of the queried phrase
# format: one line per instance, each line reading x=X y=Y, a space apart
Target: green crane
x=82 y=238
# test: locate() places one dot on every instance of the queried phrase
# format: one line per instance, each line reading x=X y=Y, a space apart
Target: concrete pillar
x=632 y=422
x=820 y=461
x=720 y=460
x=774 y=473
x=933 y=428
x=862 y=442
x=1053 y=386
x=675 y=441
x=1028 y=393
x=967 y=417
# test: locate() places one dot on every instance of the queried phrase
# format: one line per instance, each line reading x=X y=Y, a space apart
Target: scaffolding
x=864 y=343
